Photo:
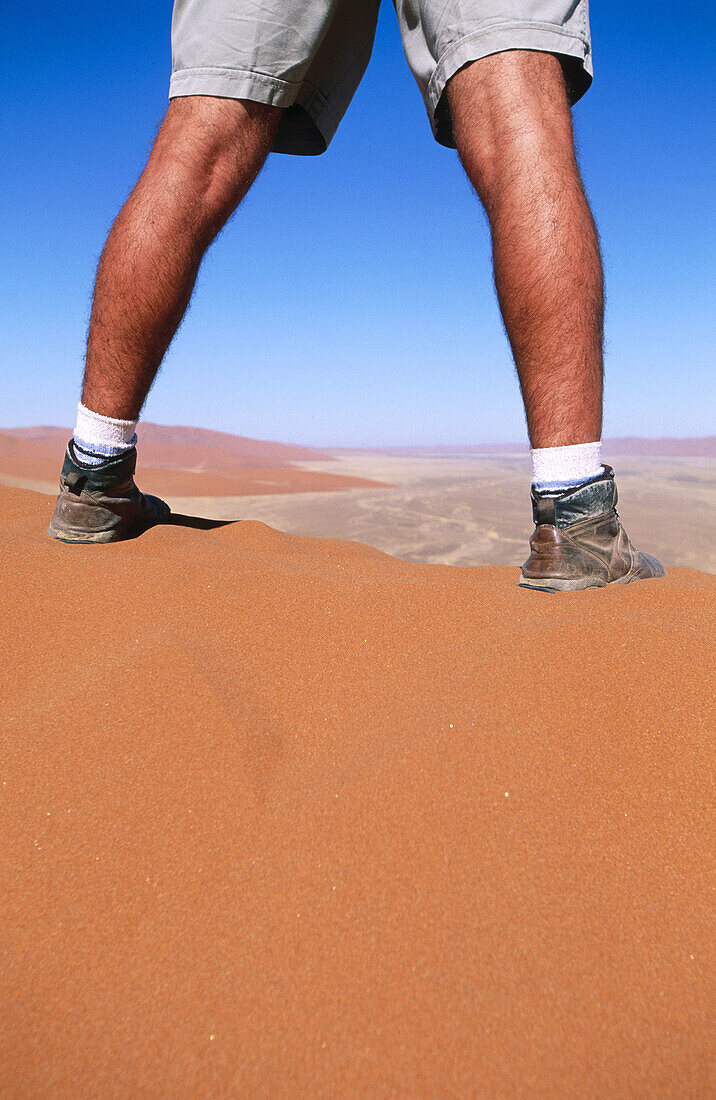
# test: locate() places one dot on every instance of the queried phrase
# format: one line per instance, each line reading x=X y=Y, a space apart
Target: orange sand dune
x=286 y=817
x=184 y=462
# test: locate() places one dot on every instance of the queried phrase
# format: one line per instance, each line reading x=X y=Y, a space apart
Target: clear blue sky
x=350 y=301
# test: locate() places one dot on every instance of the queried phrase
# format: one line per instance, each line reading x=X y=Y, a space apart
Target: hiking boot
x=579 y=541
x=102 y=503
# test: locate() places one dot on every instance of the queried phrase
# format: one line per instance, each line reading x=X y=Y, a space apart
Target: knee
x=511 y=120
x=211 y=149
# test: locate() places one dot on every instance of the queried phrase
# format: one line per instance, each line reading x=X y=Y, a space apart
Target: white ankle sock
x=555 y=469
x=98 y=438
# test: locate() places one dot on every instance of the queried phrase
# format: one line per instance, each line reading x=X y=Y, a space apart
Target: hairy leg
x=206 y=156
x=513 y=131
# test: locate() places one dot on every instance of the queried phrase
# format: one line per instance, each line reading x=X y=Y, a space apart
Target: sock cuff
x=107 y=431
x=564 y=467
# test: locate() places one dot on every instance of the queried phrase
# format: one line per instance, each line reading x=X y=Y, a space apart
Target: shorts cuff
x=233 y=84
x=306 y=128
x=546 y=37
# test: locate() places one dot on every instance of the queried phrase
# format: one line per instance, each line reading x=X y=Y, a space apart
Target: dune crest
x=290 y=817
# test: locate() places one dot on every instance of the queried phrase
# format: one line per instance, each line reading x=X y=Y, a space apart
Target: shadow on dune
x=178 y=520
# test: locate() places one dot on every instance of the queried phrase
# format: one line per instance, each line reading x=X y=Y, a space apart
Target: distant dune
x=195 y=462
x=177 y=461
x=288 y=817
x=698 y=447
x=163 y=444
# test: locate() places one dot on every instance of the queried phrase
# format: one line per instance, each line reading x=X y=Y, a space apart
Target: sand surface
x=286 y=817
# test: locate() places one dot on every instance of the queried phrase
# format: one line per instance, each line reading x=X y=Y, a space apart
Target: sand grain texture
x=287 y=817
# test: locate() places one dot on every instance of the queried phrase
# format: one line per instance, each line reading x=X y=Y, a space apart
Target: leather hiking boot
x=579 y=541
x=102 y=503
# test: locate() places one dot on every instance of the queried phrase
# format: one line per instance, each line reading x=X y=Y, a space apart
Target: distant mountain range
x=697 y=447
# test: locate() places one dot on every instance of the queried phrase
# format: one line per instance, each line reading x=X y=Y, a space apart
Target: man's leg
x=513 y=130
x=206 y=156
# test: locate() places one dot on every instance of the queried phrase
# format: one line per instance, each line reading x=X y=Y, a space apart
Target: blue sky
x=350 y=300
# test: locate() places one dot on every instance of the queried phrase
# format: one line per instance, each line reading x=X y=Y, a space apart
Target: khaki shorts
x=309 y=55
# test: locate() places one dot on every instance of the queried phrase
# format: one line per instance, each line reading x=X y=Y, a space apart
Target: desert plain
x=291 y=815
x=441 y=506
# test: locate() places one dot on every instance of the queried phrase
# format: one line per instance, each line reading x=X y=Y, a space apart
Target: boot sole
x=555 y=585
x=132 y=529
x=85 y=538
